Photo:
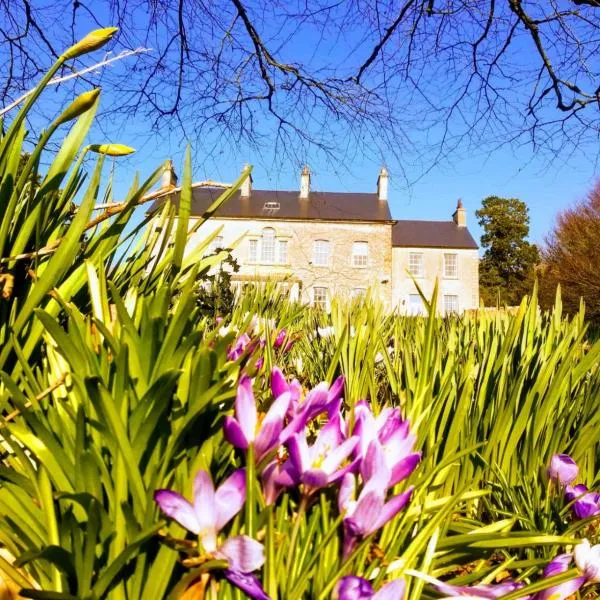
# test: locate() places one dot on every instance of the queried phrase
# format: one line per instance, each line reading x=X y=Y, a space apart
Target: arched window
x=267 y=254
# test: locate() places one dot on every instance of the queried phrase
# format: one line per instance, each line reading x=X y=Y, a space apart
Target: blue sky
x=470 y=175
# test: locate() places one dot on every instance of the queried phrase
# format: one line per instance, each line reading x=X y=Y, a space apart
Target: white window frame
x=450 y=270
x=253 y=250
x=321 y=253
x=418 y=262
x=453 y=309
x=267 y=246
x=321 y=302
x=360 y=254
x=282 y=252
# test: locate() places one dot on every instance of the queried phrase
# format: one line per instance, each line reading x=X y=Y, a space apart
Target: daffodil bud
x=80 y=105
x=112 y=149
x=92 y=41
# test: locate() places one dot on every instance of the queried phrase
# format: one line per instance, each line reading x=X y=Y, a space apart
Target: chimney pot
x=169 y=178
x=460 y=214
x=246 y=188
x=305 y=182
x=382 y=184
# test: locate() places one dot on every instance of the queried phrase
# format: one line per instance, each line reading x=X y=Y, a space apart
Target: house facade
x=324 y=244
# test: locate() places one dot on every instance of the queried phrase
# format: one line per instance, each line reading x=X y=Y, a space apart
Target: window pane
x=320 y=297
x=415 y=305
x=283 y=252
x=268 y=245
x=321 y=252
x=253 y=250
x=216 y=243
x=450 y=304
x=450 y=266
x=360 y=254
x=415 y=264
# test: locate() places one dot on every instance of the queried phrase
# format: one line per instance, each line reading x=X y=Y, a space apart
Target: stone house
x=325 y=244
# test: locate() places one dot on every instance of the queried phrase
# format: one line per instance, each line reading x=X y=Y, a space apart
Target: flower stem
x=292 y=548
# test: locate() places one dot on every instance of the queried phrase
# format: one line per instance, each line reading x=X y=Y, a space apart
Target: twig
x=57 y=80
x=60 y=381
x=112 y=210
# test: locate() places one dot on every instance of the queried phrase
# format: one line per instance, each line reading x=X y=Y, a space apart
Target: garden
x=151 y=449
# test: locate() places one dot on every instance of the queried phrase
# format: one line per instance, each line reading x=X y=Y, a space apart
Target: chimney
x=247 y=185
x=382 y=184
x=460 y=214
x=169 y=178
x=305 y=182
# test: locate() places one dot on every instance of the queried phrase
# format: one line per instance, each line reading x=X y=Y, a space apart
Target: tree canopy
x=571 y=256
x=416 y=78
x=506 y=271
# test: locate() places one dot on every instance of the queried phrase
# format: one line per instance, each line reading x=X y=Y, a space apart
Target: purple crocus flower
x=320 y=464
x=320 y=399
x=482 y=590
x=246 y=428
x=280 y=386
x=280 y=338
x=239 y=347
x=357 y=588
x=386 y=439
x=587 y=559
x=209 y=512
x=562 y=591
x=370 y=512
x=587 y=504
x=563 y=469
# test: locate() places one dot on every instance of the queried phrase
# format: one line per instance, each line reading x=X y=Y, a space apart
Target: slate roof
x=326 y=206
x=431 y=234
x=332 y=206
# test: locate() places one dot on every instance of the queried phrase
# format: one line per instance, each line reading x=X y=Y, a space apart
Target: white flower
x=326 y=332
x=587 y=559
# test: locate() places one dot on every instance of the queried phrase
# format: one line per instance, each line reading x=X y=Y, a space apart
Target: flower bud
x=92 y=41
x=112 y=149
x=563 y=469
x=80 y=105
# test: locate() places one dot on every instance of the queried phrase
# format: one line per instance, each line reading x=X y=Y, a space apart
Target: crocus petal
x=373 y=467
x=478 y=591
x=587 y=559
x=573 y=492
x=334 y=459
x=315 y=478
x=394 y=590
x=366 y=514
x=233 y=433
x=299 y=454
x=353 y=588
x=245 y=408
x=562 y=591
x=243 y=553
x=559 y=564
x=271 y=426
x=247 y=583
x=271 y=487
x=337 y=389
x=391 y=508
x=347 y=493
x=278 y=383
x=230 y=498
x=206 y=509
x=563 y=469
x=404 y=468
x=178 y=508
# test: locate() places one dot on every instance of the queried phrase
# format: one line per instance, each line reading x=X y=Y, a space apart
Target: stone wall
x=465 y=286
x=340 y=276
